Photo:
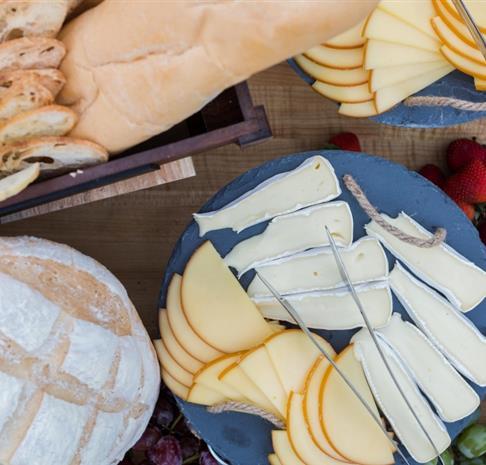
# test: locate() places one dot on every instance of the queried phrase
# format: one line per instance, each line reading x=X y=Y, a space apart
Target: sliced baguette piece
x=31 y=18
x=31 y=53
x=52 y=120
x=51 y=78
x=15 y=183
x=53 y=154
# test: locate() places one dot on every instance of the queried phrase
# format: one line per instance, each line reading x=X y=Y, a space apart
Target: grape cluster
x=167 y=439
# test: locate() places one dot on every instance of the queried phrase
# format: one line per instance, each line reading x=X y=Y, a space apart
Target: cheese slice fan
x=431 y=370
x=292 y=233
x=460 y=280
x=333 y=310
x=351 y=38
x=394 y=406
x=449 y=330
x=310 y=183
x=283 y=449
x=316 y=269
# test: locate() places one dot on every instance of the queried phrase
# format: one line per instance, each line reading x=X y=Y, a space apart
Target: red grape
x=126 y=460
x=167 y=451
x=189 y=446
x=150 y=436
x=207 y=459
x=163 y=414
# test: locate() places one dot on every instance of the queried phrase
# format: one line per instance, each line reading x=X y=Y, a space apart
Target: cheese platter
x=219 y=310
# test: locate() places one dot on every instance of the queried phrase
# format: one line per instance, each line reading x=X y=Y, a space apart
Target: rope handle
x=456 y=103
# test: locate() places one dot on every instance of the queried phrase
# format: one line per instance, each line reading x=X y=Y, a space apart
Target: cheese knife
x=471 y=25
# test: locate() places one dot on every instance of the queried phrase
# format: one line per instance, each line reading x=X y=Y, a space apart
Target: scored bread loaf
x=28 y=53
x=78 y=374
x=51 y=120
x=31 y=18
x=134 y=69
x=52 y=79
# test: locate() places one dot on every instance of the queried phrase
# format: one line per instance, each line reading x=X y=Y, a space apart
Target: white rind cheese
x=316 y=269
x=431 y=370
x=289 y=234
x=448 y=329
x=313 y=182
x=460 y=280
x=333 y=310
x=394 y=406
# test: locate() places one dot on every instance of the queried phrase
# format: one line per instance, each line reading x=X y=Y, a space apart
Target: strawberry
x=433 y=173
x=469 y=184
x=482 y=231
x=467 y=208
x=346 y=141
x=461 y=151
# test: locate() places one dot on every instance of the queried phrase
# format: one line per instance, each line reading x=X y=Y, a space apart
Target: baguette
x=52 y=79
x=134 y=69
x=31 y=53
x=15 y=183
x=52 y=120
x=31 y=18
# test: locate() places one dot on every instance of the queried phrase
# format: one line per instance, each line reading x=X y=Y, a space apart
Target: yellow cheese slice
x=352 y=38
x=274 y=460
x=171 y=366
x=336 y=58
x=345 y=94
x=283 y=449
x=387 y=27
x=480 y=84
x=464 y=64
x=475 y=7
x=358 y=110
x=340 y=77
x=217 y=307
x=199 y=394
x=176 y=388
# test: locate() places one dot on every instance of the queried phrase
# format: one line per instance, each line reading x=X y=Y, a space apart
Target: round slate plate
x=243 y=439
x=456 y=85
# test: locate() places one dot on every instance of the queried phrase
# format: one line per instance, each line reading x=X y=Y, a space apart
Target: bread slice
x=52 y=120
x=31 y=18
x=52 y=79
x=31 y=53
x=15 y=183
x=24 y=95
x=55 y=154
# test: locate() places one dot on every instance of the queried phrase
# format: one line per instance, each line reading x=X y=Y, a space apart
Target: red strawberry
x=469 y=184
x=467 y=208
x=461 y=151
x=482 y=232
x=433 y=173
x=346 y=141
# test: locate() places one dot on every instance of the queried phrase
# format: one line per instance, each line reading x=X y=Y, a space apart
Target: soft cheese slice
x=480 y=84
x=310 y=183
x=336 y=58
x=293 y=355
x=176 y=388
x=388 y=97
x=292 y=233
x=283 y=449
x=451 y=332
x=200 y=394
x=475 y=7
x=345 y=94
x=316 y=269
x=385 y=26
x=431 y=370
x=394 y=406
x=351 y=38
x=381 y=54
x=334 y=310
x=463 y=63
x=257 y=365
x=274 y=460
x=442 y=267
x=170 y=365
x=358 y=110
x=217 y=307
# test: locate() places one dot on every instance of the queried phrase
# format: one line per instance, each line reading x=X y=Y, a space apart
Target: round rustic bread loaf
x=78 y=374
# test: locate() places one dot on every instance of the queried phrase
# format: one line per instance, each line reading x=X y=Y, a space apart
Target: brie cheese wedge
x=394 y=406
x=333 y=310
x=316 y=269
x=313 y=182
x=288 y=234
x=460 y=280
x=430 y=370
x=448 y=329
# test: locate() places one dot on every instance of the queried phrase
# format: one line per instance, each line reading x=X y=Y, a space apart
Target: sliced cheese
x=336 y=58
x=381 y=54
x=358 y=110
x=208 y=376
x=316 y=269
x=394 y=406
x=385 y=26
x=463 y=63
x=175 y=387
x=170 y=365
x=388 y=97
x=256 y=364
x=345 y=94
x=182 y=330
x=480 y=84
x=292 y=233
x=415 y=13
x=274 y=460
x=334 y=310
x=293 y=355
x=199 y=394
x=450 y=331
x=340 y=77
x=431 y=370
x=217 y=307
x=351 y=38
x=386 y=77
x=312 y=182
x=442 y=267
x=475 y=7
x=283 y=449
